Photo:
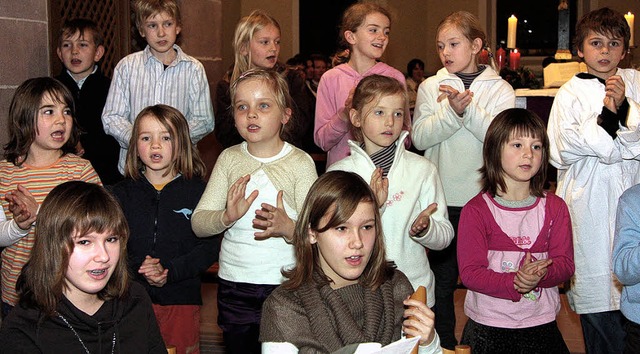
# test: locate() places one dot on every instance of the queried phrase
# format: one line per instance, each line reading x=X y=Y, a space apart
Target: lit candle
x=629 y=17
x=511 y=33
x=514 y=59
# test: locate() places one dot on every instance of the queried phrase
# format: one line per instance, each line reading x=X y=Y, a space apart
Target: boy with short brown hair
x=593 y=134
x=80 y=48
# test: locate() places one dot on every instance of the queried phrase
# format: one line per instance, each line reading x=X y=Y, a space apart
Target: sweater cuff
x=609 y=122
x=623 y=112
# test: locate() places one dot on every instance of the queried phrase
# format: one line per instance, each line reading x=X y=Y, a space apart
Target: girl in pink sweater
x=514 y=244
x=365 y=31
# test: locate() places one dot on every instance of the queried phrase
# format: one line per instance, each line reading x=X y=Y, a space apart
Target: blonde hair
x=469 y=26
x=371 y=89
x=246 y=28
x=186 y=159
x=277 y=84
x=146 y=8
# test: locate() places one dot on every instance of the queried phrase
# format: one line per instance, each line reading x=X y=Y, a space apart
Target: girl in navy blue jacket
x=164 y=182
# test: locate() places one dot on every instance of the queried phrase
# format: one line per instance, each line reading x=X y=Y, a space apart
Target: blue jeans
x=603 y=332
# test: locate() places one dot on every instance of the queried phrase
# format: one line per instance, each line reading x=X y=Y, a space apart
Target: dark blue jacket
x=160 y=225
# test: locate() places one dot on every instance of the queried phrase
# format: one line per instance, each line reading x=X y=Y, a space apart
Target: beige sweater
x=294 y=174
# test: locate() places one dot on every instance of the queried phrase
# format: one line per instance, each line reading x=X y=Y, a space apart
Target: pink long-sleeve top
x=492 y=243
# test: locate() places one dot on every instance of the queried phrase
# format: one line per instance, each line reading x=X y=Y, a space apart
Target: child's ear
x=355 y=118
x=286 y=116
x=350 y=37
x=178 y=29
x=59 y=53
x=99 y=53
x=244 y=51
x=476 y=46
x=312 y=236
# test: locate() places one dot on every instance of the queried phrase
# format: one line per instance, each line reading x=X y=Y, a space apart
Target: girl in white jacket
x=453 y=111
x=407 y=185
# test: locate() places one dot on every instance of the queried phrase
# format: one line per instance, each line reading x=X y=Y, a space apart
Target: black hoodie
x=130 y=321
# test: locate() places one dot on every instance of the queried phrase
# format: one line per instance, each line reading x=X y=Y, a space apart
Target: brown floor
x=211 y=337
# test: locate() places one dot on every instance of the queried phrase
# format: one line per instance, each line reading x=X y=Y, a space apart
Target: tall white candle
x=511 y=32
x=630 y=17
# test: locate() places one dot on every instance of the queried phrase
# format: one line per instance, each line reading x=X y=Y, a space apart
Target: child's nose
x=356 y=241
x=101 y=254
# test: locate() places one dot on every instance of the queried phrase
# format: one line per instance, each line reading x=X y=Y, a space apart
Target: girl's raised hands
x=530 y=274
x=380 y=186
x=237 y=205
x=23 y=206
x=457 y=100
x=274 y=221
x=421 y=224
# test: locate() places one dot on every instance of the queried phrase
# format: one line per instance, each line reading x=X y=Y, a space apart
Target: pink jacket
x=331 y=132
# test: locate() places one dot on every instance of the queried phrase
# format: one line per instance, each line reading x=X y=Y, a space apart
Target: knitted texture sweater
x=318 y=319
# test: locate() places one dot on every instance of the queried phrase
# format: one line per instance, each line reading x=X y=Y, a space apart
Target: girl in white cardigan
x=407 y=185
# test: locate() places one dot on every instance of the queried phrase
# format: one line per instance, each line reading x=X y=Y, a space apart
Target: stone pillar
x=24 y=40
x=202 y=39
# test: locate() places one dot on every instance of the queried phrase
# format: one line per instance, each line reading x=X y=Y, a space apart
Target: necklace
x=113 y=340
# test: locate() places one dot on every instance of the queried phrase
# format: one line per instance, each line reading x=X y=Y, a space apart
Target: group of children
x=321 y=264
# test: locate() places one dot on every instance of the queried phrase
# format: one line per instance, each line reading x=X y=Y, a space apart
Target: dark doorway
x=319 y=23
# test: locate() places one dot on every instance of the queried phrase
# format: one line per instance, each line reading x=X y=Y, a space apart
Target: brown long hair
x=340 y=193
x=352 y=18
x=510 y=122
x=186 y=159
x=23 y=116
x=71 y=209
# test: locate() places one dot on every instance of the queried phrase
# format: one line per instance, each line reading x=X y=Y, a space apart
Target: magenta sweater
x=488 y=259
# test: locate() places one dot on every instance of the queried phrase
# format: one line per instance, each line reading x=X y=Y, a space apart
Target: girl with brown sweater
x=342 y=291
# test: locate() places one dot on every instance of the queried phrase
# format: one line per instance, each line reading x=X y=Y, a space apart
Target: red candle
x=501 y=57
x=484 y=57
x=514 y=59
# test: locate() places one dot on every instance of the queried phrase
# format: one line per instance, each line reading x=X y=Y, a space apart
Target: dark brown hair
x=603 y=21
x=338 y=193
x=186 y=159
x=82 y=26
x=23 y=116
x=507 y=124
x=71 y=209
x=371 y=89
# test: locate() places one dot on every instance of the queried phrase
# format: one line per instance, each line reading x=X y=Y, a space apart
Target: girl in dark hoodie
x=75 y=293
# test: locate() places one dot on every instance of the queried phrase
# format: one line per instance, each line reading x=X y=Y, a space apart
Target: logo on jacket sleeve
x=184 y=211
